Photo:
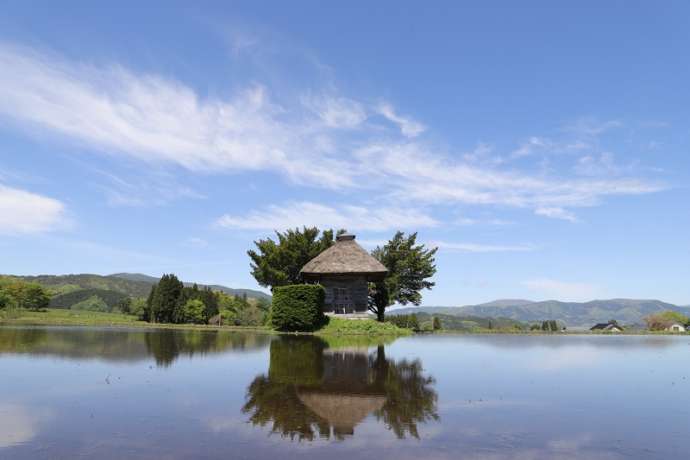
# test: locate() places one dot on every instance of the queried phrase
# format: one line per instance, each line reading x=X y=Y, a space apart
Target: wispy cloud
x=23 y=212
x=336 y=112
x=195 y=242
x=563 y=290
x=159 y=120
x=479 y=248
x=408 y=126
x=416 y=173
x=556 y=213
x=297 y=214
x=151 y=189
x=590 y=126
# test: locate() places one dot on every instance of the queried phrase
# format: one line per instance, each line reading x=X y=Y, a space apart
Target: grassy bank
x=64 y=317
x=341 y=326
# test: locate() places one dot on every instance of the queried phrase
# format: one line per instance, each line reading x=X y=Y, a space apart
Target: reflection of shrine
x=312 y=390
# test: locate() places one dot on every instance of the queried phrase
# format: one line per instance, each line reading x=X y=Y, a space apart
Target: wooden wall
x=356 y=286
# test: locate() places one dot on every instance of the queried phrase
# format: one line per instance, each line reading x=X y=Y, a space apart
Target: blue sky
x=543 y=148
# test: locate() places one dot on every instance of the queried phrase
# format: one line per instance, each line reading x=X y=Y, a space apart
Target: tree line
x=18 y=294
x=170 y=301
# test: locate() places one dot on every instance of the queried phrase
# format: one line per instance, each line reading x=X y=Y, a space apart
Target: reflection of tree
x=410 y=398
x=311 y=391
x=165 y=345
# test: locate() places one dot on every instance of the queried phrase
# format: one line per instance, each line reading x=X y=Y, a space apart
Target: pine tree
x=166 y=300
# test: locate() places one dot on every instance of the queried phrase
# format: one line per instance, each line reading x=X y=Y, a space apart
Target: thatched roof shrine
x=345 y=257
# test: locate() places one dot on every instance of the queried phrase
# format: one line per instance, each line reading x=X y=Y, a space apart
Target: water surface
x=145 y=394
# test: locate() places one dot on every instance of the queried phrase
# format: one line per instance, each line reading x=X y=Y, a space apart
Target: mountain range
x=573 y=314
x=128 y=284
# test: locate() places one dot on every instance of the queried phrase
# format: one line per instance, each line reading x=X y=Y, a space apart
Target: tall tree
x=166 y=300
x=277 y=263
x=410 y=265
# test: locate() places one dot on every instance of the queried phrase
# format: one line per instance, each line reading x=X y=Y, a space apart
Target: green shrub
x=344 y=326
x=404 y=321
x=298 y=307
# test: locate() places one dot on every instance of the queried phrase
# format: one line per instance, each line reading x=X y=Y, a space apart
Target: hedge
x=298 y=307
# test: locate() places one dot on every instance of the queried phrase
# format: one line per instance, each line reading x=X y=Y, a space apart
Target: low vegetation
x=62 y=317
x=342 y=326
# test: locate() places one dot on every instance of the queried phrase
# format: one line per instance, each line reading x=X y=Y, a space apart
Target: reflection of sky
x=19 y=424
x=498 y=398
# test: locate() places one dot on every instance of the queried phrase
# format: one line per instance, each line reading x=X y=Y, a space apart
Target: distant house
x=344 y=270
x=676 y=327
x=611 y=326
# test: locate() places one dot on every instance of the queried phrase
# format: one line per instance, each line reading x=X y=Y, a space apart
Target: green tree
x=193 y=311
x=410 y=265
x=32 y=296
x=436 y=323
x=165 y=300
x=138 y=308
x=4 y=299
x=277 y=263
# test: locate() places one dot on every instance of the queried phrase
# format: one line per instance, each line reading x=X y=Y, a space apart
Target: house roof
x=345 y=257
x=339 y=410
x=603 y=326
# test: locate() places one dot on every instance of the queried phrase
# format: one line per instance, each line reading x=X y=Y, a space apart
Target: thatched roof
x=339 y=410
x=345 y=257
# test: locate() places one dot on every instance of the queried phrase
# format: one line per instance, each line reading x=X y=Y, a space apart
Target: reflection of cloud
x=19 y=425
x=484 y=404
x=224 y=424
x=568 y=358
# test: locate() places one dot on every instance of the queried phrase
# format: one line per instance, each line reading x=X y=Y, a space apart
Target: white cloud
x=556 y=213
x=562 y=290
x=23 y=212
x=478 y=248
x=337 y=112
x=298 y=214
x=408 y=126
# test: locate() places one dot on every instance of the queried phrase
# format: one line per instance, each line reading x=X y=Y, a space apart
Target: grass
x=65 y=317
x=341 y=326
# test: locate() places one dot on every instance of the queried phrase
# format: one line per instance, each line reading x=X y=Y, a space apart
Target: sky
x=542 y=147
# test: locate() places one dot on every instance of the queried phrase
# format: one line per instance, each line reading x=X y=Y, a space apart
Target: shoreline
x=70 y=318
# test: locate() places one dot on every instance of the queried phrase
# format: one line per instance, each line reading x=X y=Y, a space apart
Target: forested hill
x=573 y=314
x=129 y=284
x=138 y=277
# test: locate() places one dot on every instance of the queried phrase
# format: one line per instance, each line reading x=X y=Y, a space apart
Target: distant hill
x=70 y=289
x=139 y=277
x=68 y=283
x=573 y=314
x=469 y=323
